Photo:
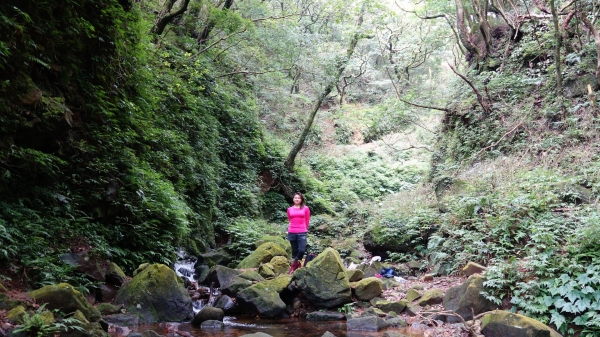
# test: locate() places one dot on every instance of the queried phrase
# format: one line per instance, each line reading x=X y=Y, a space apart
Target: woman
x=299 y=217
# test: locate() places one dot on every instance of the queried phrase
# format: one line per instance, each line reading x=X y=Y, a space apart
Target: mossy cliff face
x=156 y=294
x=65 y=298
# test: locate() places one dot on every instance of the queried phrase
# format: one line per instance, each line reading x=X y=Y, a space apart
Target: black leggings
x=298 y=242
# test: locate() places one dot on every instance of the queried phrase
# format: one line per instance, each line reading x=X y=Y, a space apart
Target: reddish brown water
x=235 y=327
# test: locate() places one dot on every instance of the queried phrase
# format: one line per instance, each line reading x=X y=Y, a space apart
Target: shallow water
x=235 y=327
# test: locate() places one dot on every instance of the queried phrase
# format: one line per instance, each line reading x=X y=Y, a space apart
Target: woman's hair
x=303 y=203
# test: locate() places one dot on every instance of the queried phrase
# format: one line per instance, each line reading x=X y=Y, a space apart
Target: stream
x=241 y=325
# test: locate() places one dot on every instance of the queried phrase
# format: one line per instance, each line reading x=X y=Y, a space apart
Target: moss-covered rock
x=3 y=294
x=266 y=270
x=278 y=240
x=504 y=323
x=206 y=314
x=466 y=299
x=115 y=275
x=109 y=309
x=324 y=281
x=354 y=275
x=15 y=315
x=222 y=276
x=78 y=315
x=140 y=268
x=280 y=265
x=264 y=297
x=156 y=294
x=430 y=297
x=412 y=294
x=395 y=306
x=368 y=288
x=65 y=298
x=262 y=254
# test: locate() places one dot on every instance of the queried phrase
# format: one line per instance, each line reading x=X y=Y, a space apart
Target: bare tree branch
x=484 y=104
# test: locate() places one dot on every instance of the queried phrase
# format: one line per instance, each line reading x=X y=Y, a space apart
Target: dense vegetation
x=130 y=131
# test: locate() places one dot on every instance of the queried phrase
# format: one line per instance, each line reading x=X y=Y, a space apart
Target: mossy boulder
x=87 y=264
x=324 y=281
x=266 y=270
x=65 y=298
x=78 y=315
x=140 y=268
x=278 y=240
x=473 y=268
x=206 y=314
x=412 y=294
x=467 y=300
x=222 y=276
x=156 y=294
x=263 y=297
x=280 y=265
x=504 y=323
x=262 y=254
x=109 y=309
x=115 y=275
x=395 y=306
x=368 y=288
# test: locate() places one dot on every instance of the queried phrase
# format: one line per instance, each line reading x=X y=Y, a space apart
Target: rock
x=576 y=87
x=354 y=275
x=222 y=276
x=212 y=324
x=140 y=268
x=325 y=316
x=32 y=94
x=504 y=323
x=150 y=333
x=123 y=319
x=85 y=263
x=66 y=298
x=266 y=270
x=416 y=265
x=412 y=294
x=109 y=309
x=15 y=315
x=431 y=296
x=224 y=303
x=396 y=322
x=374 y=300
x=3 y=294
x=280 y=265
x=107 y=293
x=207 y=314
x=428 y=277
x=264 y=298
x=473 y=268
x=217 y=257
x=396 y=306
x=257 y=334
x=324 y=282
x=441 y=269
x=262 y=254
x=201 y=272
x=412 y=309
x=78 y=315
x=467 y=300
x=372 y=269
x=252 y=276
x=156 y=294
x=115 y=275
x=278 y=240
x=365 y=323
x=328 y=334
x=393 y=334
x=368 y=288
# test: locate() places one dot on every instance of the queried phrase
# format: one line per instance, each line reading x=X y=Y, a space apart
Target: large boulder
x=324 y=281
x=355 y=275
x=365 y=323
x=222 y=276
x=280 y=265
x=395 y=306
x=262 y=254
x=504 y=323
x=242 y=281
x=85 y=263
x=216 y=257
x=115 y=275
x=264 y=298
x=156 y=294
x=206 y=314
x=278 y=240
x=467 y=300
x=66 y=298
x=431 y=296
x=473 y=268
x=368 y=288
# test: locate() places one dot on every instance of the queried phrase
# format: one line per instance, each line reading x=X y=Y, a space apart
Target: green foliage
x=347 y=308
x=244 y=232
x=37 y=325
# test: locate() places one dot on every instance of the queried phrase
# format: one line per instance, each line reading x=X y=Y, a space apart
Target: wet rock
x=366 y=323
x=206 y=314
x=504 y=323
x=324 y=282
x=86 y=264
x=123 y=319
x=89 y=330
x=66 y=298
x=201 y=273
x=473 y=268
x=212 y=324
x=325 y=316
x=222 y=276
x=156 y=294
x=224 y=303
x=109 y=309
x=107 y=293
x=217 y=257
x=262 y=254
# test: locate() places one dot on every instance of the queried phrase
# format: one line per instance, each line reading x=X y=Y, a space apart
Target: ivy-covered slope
x=109 y=143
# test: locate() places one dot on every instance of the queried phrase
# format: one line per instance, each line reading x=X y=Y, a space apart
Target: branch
x=484 y=105
x=164 y=21
x=274 y=18
x=408 y=148
x=219 y=40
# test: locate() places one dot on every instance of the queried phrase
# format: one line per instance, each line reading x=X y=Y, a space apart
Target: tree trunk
x=341 y=66
x=165 y=17
x=557 y=59
x=203 y=38
x=463 y=33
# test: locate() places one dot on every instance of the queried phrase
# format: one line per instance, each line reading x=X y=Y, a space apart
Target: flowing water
x=282 y=327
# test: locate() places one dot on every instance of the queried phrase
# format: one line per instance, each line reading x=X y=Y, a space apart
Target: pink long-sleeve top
x=299 y=219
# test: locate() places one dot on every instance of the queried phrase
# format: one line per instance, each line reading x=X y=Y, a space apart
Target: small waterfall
x=185 y=267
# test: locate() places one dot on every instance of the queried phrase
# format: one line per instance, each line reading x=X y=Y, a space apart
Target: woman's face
x=297 y=200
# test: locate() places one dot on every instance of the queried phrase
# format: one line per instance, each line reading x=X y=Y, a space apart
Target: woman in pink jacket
x=299 y=217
